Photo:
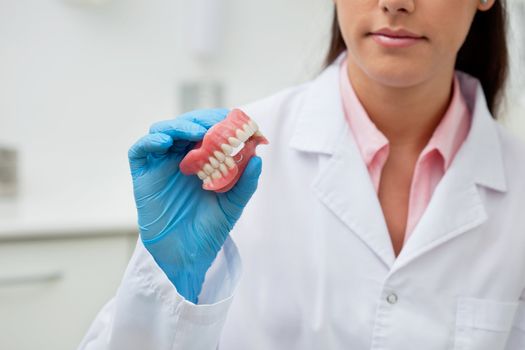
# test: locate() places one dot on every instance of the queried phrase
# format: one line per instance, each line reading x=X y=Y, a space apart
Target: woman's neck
x=406 y=116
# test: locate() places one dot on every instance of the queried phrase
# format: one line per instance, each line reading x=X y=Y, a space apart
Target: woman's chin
x=398 y=75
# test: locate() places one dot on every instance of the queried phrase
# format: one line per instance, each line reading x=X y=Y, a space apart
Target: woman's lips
x=396 y=38
x=395 y=42
x=213 y=160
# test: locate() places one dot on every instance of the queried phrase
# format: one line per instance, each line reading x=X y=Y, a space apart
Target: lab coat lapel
x=456 y=206
x=342 y=182
x=345 y=186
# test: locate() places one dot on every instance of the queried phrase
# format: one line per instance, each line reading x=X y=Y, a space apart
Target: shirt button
x=392 y=298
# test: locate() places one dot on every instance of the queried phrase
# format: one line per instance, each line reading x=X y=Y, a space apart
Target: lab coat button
x=392 y=298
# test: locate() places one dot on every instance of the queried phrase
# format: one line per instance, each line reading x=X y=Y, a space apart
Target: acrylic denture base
x=213 y=160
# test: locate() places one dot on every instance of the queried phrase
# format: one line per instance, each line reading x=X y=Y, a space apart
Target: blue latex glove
x=182 y=225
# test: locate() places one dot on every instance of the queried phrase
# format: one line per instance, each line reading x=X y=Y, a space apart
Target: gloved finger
x=179 y=129
x=233 y=201
x=150 y=144
x=206 y=117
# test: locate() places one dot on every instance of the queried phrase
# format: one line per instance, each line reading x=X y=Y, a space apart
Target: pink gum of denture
x=211 y=158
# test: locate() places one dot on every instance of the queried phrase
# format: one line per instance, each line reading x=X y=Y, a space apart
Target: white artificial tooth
x=241 y=135
x=207 y=181
x=214 y=162
x=216 y=175
x=234 y=142
x=227 y=149
x=253 y=125
x=208 y=169
x=220 y=156
x=258 y=133
x=202 y=175
x=229 y=162
x=237 y=149
x=223 y=169
x=248 y=130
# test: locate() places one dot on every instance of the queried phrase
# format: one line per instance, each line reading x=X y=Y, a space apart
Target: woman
x=388 y=214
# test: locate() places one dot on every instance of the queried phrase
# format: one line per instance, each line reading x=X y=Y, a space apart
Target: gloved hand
x=182 y=225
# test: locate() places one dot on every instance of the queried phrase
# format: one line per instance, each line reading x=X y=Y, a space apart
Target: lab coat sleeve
x=517 y=334
x=148 y=313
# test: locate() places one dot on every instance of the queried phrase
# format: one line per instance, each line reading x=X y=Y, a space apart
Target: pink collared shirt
x=433 y=161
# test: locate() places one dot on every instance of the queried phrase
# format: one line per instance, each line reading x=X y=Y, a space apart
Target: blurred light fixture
x=204 y=27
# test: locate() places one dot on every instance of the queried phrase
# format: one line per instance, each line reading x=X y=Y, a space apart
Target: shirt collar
x=453 y=128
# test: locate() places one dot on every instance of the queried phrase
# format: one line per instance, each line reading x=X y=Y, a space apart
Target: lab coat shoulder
x=277 y=112
x=511 y=203
x=513 y=153
x=513 y=159
x=511 y=207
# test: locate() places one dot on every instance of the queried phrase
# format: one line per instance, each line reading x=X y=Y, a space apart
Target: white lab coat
x=319 y=271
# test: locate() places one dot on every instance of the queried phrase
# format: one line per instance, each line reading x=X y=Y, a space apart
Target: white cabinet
x=51 y=289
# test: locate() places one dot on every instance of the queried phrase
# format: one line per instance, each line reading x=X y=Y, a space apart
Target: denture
x=218 y=159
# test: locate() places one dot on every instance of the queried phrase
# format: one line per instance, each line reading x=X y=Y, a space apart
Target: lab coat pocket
x=483 y=324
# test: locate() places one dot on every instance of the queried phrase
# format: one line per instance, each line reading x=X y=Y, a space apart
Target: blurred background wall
x=80 y=81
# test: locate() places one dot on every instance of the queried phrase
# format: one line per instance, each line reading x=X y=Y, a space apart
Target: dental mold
x=215 y=160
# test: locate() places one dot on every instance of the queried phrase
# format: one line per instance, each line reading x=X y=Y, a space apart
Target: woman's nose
x=394 y=7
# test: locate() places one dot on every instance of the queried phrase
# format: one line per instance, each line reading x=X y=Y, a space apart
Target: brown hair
x=483 y=55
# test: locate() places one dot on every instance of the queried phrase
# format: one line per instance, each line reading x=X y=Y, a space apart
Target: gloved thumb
x=234 y=201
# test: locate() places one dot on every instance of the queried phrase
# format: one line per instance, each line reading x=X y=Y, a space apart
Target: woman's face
x=440 y=25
